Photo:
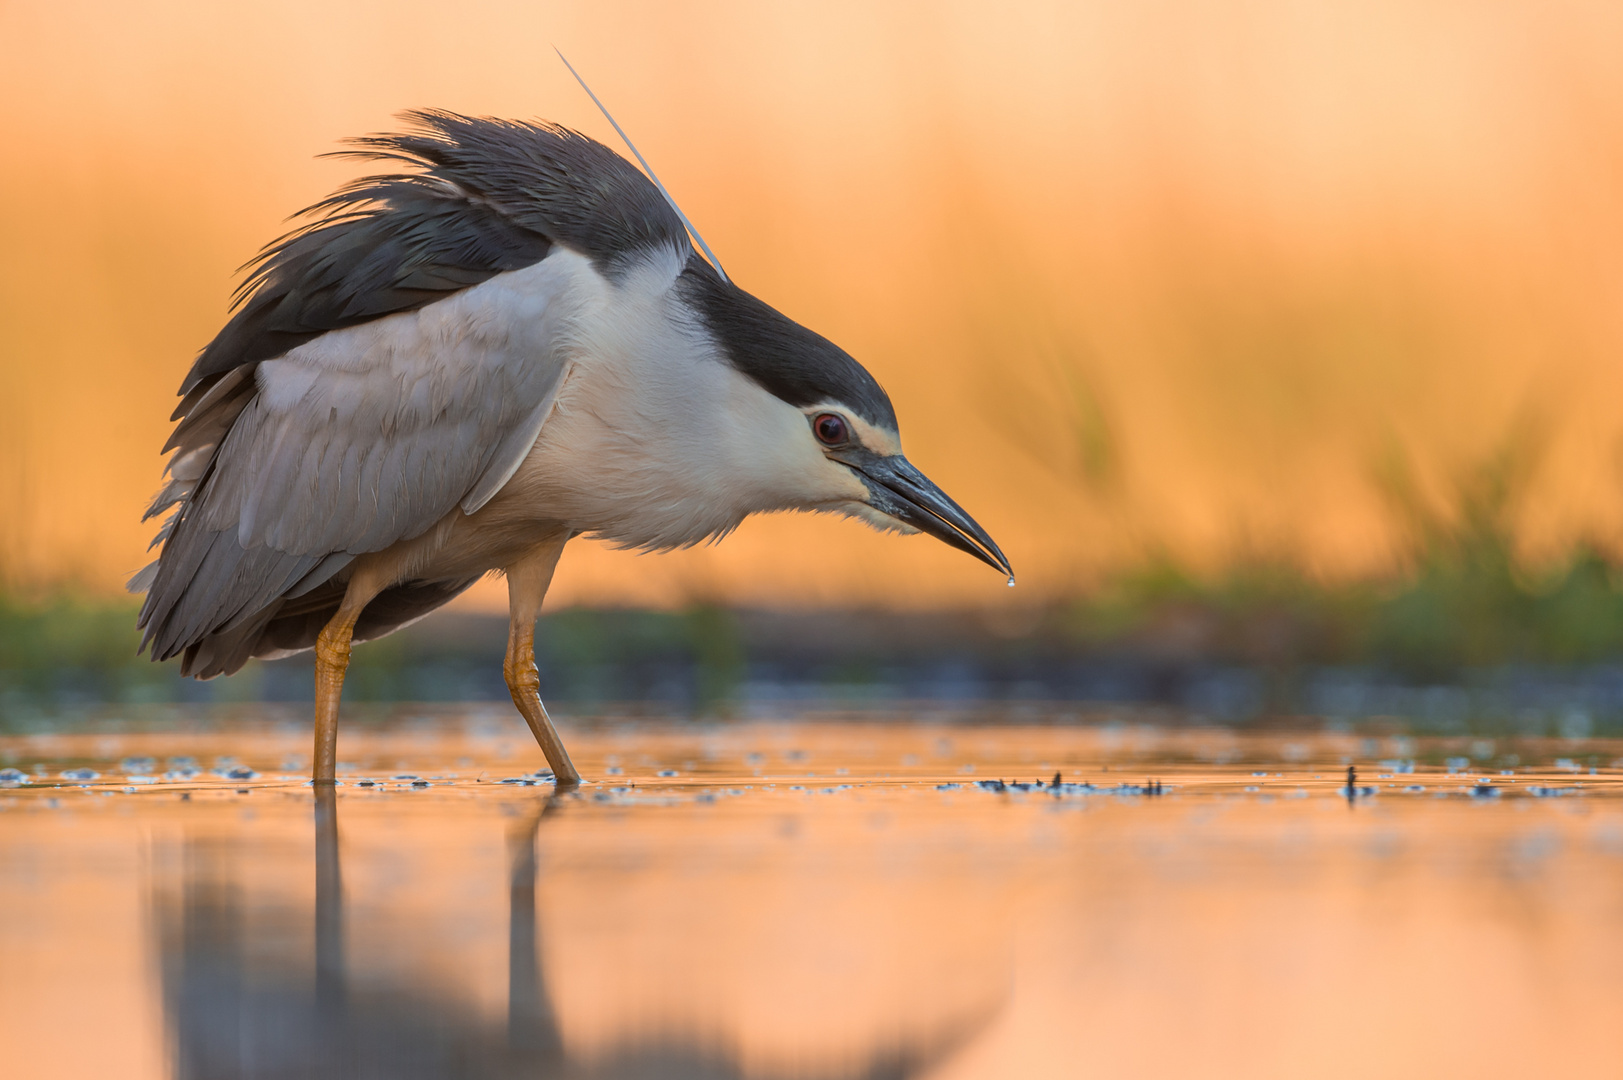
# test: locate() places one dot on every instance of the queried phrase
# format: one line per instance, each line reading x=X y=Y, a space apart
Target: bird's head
x=842 y=452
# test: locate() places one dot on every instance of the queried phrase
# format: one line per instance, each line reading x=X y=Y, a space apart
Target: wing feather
x=357 y=394
x=364 y=437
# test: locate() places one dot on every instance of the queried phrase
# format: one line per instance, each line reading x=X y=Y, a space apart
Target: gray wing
x=353 y=441
x=358 y=394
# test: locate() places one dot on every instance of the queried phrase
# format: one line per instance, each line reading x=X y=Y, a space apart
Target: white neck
x=657 y=441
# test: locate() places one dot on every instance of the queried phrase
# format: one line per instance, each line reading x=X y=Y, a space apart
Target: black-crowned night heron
x=461 y=366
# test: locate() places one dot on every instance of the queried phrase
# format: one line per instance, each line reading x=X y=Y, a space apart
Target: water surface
x=828 y=899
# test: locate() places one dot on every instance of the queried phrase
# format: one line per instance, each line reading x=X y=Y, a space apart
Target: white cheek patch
x=847 y=484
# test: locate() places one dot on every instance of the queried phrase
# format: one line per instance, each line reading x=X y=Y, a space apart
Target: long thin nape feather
x=704 y=247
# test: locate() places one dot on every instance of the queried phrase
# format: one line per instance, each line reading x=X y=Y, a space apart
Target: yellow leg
x=527 y=582
x=332 y=661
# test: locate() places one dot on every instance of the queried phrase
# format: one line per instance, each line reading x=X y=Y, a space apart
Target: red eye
x=831 y=429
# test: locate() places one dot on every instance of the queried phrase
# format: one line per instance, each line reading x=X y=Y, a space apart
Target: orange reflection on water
x=807 y=900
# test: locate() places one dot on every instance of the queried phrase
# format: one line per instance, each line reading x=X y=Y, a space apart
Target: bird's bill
x=898 y=489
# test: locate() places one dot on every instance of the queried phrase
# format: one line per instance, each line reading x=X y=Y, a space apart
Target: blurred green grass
x=1459 y=598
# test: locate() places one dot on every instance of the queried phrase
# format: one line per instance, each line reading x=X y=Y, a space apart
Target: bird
x=504 y=341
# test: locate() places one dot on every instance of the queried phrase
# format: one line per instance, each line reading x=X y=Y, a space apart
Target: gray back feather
x=482 y=196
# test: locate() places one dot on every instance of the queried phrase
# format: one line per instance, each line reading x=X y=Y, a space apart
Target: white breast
x=656 y=441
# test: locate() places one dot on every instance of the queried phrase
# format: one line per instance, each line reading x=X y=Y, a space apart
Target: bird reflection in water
x=240 y=1005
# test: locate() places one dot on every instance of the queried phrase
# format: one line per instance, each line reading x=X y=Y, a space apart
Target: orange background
x=1159 y=274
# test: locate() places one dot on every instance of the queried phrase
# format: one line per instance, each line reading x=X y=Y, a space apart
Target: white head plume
x=704 y=247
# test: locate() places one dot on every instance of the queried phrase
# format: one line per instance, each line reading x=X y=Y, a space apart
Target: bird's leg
x=332 y=661
x=527 y=582
x=524 y=683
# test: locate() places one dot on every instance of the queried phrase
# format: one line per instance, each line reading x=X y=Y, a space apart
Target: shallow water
x=812 y=900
